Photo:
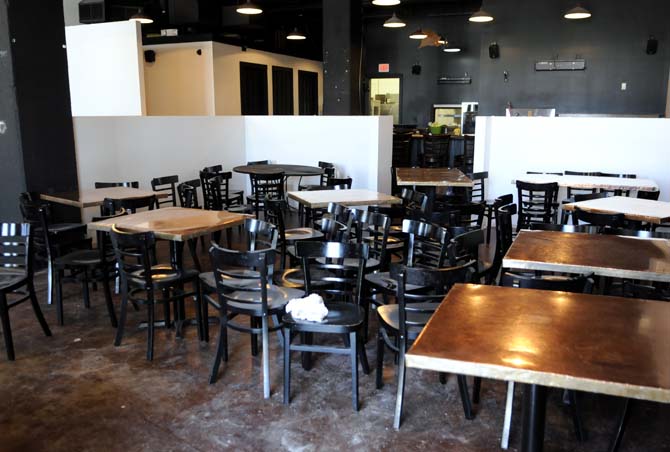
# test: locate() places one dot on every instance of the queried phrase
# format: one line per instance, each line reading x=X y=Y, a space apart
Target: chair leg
x=353 y=339
x=306 y=338
x=287 y=366
x=489 y=219
x=204 y=305
x=59 y=297
x=402 y=371
x=229 y=237
x=380 y=360
x=621 y=428
x=265 y=339
x=443 y=377
x=476 y=389
x=580 y=432
x=108 y=297
x=507 y=423
x=6 y=328
x=198 y=315
x=465 y=397
x=36 y=308
x=362 y=356
x=84 y=287
x=221 y=348
x=150 y=330
x=167 y=318
x=122 y=318
x=193 y=248
x=50 y=281
x=254 y=337
x=280 y=336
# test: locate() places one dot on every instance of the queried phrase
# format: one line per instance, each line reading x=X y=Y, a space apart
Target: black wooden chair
x=504 y=213
x=651 y=195
x=616 y=192
x=341 y=287
x=578 y=197
x=328 y=172
x=141 y=282
x=435 y=151
x=131 y=205
x=188 y=194
x=478 y=194
x=263 y=186
x=470 y=215
x=225 y=199
x=247 y=293
x=602 y=220
x=16 y=278
x=537 y=203
x=166 y=184
x=400 y=153
x=400 y=324
x=133 y=184
x=339 y=183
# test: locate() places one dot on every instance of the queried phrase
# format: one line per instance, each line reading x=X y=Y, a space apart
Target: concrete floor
x=75 y=391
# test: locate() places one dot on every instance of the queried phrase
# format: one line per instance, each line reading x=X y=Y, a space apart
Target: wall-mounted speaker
x=416 y=69
x=652 y=46
x=149 y=56
x=494 y=51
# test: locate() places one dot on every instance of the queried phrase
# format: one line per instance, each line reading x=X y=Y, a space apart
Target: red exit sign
x=384 y=67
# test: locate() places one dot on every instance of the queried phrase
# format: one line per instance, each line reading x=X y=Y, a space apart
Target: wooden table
x=605 y=255
x=288 y=170
x=433 y=177
x=96 y=196
x=607 y=345
x=355 y=197
x=590 y=182
x=635 y=209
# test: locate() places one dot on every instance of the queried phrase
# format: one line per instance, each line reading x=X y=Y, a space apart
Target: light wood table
x=607 y=345
x=590 y=182
x=316 y=199
x=605 y=255
x=432 y=177
x=635 y=209
x=96 y=196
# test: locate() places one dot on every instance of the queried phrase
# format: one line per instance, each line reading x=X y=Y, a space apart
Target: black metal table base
x=534 y=410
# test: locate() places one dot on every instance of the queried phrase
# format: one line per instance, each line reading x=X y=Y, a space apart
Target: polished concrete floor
x=75 y=391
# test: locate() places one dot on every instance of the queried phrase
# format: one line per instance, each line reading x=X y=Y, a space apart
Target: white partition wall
x=508 y=147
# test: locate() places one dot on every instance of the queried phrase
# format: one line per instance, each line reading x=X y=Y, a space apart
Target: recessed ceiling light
x=394 y=22
x=295 y=35
x=385 y=2
x=249 y=8
x=141 y=17
x=481 y=16
x=577 y=13
x=418 y=34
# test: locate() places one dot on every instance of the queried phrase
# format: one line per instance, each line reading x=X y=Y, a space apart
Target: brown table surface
x=433 y=177
x=604 y=182
x=605 y=255
x=635 y=209
x=174 y=223
x=92 y=197
x=608 y=345
x=354 y=197
x=288 y=170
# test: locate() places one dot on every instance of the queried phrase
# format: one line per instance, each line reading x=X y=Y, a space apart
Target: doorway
x=384 y=98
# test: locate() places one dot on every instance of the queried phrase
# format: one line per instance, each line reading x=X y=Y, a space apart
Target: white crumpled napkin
x=309 y=308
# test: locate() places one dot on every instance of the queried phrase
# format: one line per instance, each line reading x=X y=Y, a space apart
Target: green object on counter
x=436 y=130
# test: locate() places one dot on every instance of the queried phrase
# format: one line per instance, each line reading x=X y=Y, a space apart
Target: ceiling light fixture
x=442 y=40
x=141 y=17
x=418 y=34
x=577 y=13
x=452 y=49
x=385 y=2
x=295 y=35
x=394 y=22
x=481 y=16
x=249 y=8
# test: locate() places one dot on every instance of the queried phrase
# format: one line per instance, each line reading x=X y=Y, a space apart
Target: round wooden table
x=288 y=170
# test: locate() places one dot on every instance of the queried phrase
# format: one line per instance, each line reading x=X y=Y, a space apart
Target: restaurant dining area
x=315 y=225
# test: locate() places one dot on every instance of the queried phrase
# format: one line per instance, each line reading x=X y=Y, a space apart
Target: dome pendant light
x=385 y=2
x=442 y=40
x=394 y=22
x=249 y=8
x=295 y=35
x=577 y=13
x=141 y=17
x=481 y=16
x=418 y=34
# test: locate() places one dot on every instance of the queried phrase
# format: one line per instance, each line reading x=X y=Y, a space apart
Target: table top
x=433 y=177
x=593 y=343
x=91 y=197
x=635 y=209
x=288 y=170
x=355 y=197
x=606 y=183
x=174 y=223
x=605 y=255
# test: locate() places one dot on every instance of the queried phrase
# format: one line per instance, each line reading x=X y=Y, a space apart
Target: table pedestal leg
x=534 y=410
x=177 y=261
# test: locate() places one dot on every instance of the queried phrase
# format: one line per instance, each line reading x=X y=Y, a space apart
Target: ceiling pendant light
x=577 y=13
x=442 y=40
x=141 y=17
x=295 y=35
x=394 y=22
x=249 y=8
x=451 y=48
x=481 y=16
x=385 y=2
x=418 y=34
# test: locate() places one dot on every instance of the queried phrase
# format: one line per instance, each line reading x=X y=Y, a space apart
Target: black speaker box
x=494 y=51
x=149 y=56
x=652 y=46
x=416 y=69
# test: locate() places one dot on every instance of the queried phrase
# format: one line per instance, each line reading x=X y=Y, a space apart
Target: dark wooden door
x=282 y=90
x=254 y=88
x=308 y=93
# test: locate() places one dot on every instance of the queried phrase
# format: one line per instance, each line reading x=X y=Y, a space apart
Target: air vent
x=91 y=11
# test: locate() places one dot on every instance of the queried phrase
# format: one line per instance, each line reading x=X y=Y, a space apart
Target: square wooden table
x=432 y=177
x=590 y=182
x=96 y=196
x=605 y=255
x=607 y=345
x=316 y=199
x=635 y=209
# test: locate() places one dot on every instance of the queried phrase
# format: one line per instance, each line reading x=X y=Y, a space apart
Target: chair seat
x=207 y=279
x=353 y=262
x=341 y=318
x=311 y=187
x=162 y=276
x=57 y=228
x=250 y=301
x=390 y=316
x=384 y=281
x=11 y=278
x=81 y=258
x=292 y=235
x=295 y=278
x=240 y=209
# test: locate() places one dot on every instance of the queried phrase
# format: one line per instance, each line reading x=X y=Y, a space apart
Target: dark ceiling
x=218 y=20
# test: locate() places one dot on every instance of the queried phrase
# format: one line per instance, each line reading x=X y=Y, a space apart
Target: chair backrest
x=536 y=202
x=478 y=190
x=111 y=206
x=166 y=184
x=133 y=253
x=372 y=228
x=572 y=191
x=36 y=214
x=611 y=220
x=274 y=213
x=415 y=203
x=134 y=184
x=435 y=151
x=263 y=185
x=258 y=162
x=589 y=196
x=219 y=190
x=395 y=190
x=400 y=156
x=340 y=181
x=332 y=278
x=426 y=244
x=333 y=230
x=652 y=195
x=16 y=247
x=617 y=192
x=465 y=246
x=470 y=215
x=188 y=194
x=328 y=174
x=578 y=284
x=226 y=265
x=208 y=196
x=339 y=212
x=213 y=169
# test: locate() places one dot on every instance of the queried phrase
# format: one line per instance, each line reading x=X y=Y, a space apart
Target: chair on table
x=616 y=192
x=263 y=186
x=243 y=288
x=580 y=284
x=400 y=153
x=651 y=195
x=435 y=151
x=341 y=287
x=141 y=282
x=537 y=203
x=16 y=278
x=341 y=183
x=400 y=324
x=166 y=184
x=602 y=220
x=134 y=184
x=565 y=214
x=540 y=172
x=188 y=194
x=572 y=191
